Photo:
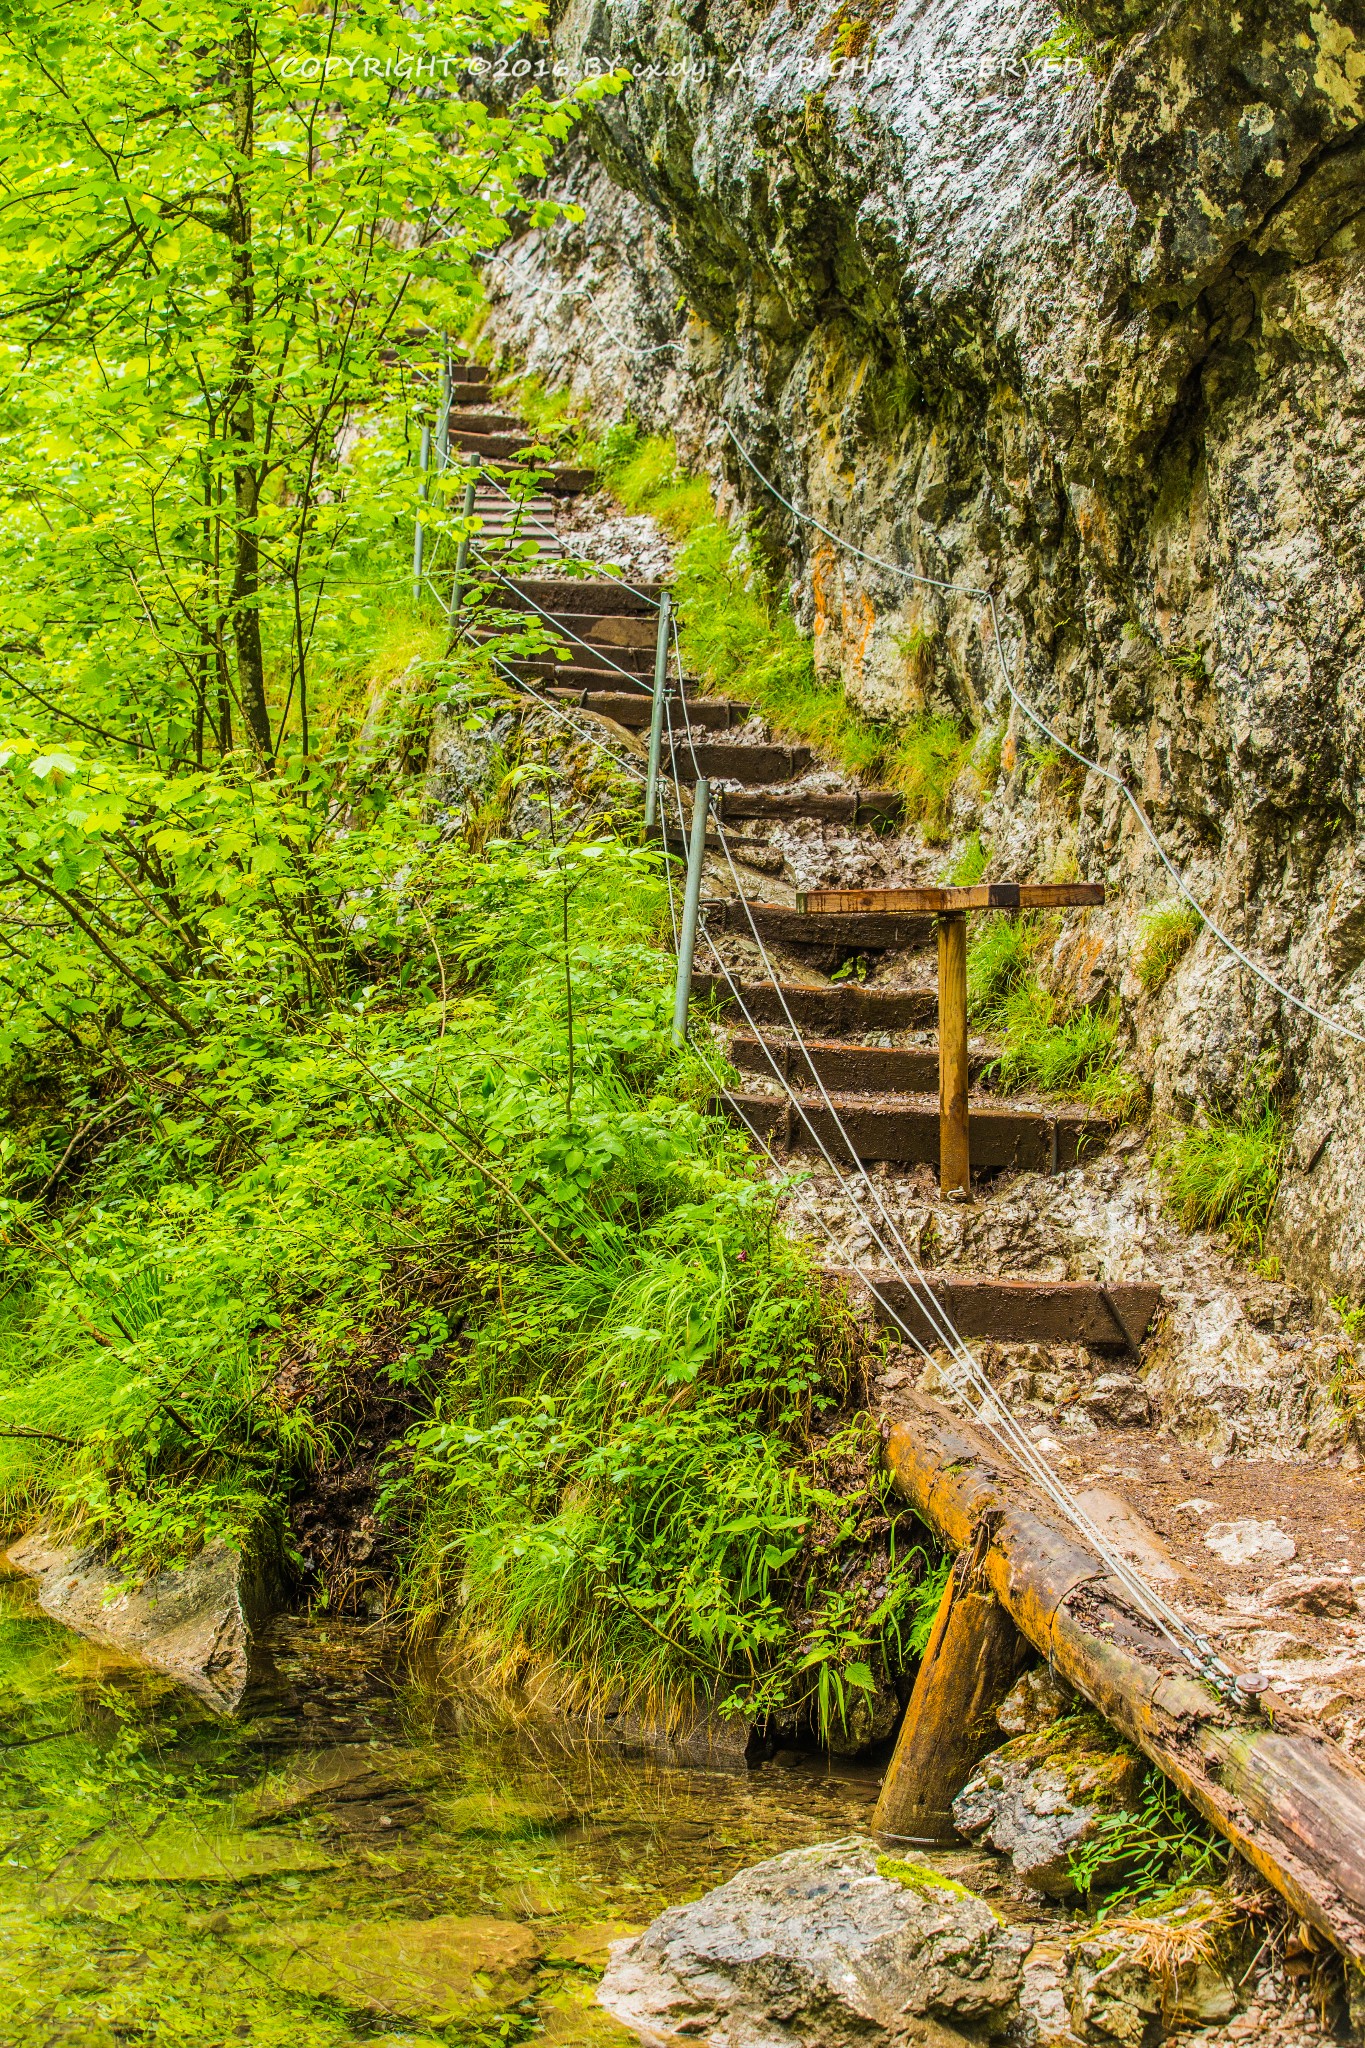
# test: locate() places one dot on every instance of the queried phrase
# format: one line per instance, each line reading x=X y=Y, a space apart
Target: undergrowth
x=1145 y=1858
x=1167 y=932
x=740 y=642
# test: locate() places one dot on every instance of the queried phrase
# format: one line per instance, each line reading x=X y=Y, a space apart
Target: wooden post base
x=972 y=1658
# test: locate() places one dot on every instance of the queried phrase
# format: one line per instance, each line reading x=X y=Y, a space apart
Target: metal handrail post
x=462 y=551
x=419 y=531
x=687 y=935
x=656 y=717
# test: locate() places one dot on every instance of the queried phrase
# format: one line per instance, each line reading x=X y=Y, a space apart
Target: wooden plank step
x=778 y=921
x=906 y=1132
x=568 y=482
x=484 y=420
x=753 y=853
x=740 y=764
x=869 y=807
x=943 y=898
x=590 y=594
x=1114 y=1318
x=879 y=1069
x=837 y=1007
x=466 y=374
x=613 y=661
x=633 y=708
x=576 y=675
x=492 y=447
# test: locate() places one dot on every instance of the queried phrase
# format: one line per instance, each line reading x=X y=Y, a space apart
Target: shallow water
x=356 y=1859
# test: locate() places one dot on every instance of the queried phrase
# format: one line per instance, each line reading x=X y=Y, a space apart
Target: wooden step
x=878 y=1069
x=633 y=708
x=870 y=807
x=484 y=420
x=1113 y=1318
x=836 y=1007
x=752 y=853
x=906 y=1132
x=600 y=595
x=568 y=482
x=872 y=932
x=599 y=660
x=576 y=675
x=465 y=374
x=492 y=447
x=740 y=764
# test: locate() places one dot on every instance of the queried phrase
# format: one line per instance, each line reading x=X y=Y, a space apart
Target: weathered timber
x=571 y=674
x=870 y=807
x=593 y=594
x=739 y=763
x=484 y=421
x=632 y=708
x=881 y=1069
x=566 y=481
x=945 y=901
x=972 y=1658
x=777 y=921
x=465 y=374
x=954 y=1136
x=749 y=852
x=907 y=1132
x=492 y=447
x=840 y=1006
x=609 y=661
x=1287 y=1797
x=1113 y=1318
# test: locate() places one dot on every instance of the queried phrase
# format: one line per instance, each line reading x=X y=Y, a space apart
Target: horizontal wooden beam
x=881 y=1069
x=865 y=807
x=592 y=594
x=937 y=900
x=737 y=763
x=1113 y=1318
x=907 y=1132
x=1288 y=1798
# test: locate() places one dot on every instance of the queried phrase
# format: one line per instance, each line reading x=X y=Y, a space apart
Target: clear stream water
x=356 y=1859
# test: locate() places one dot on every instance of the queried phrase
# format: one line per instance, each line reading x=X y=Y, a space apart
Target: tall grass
x=1224 y=1175
x=1167 y=932
x=1047 y=1042
x=739 y=642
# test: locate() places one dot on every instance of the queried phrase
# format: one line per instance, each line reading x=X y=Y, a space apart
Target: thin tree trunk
x=241 y=418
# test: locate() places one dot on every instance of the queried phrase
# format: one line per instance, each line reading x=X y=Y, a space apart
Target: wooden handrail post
x=954 y=1141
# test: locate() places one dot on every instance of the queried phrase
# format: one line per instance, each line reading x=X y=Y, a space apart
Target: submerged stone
x=433 y=1970
x=818 y=1949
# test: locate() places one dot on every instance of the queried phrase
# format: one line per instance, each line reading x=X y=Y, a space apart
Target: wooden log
x=866 y=807
x=738 y=763
x=954 y=1141
x=593 y=594
x=789 y=928
x=972 y=1658
x=943 y=900
x=1287 y=1797
x=905 y=1069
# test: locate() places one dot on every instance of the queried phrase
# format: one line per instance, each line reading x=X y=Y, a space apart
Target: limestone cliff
x=1087 y=330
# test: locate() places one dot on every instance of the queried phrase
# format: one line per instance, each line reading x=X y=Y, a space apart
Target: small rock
x=817 y=1949
x=1334 y=1597
x=1118 y=1399
x=1043 y=1996
x=1041 y=1797
x=1034 y=1701
x=1244 y=1542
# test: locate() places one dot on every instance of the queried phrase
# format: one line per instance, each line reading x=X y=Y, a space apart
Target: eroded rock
x=822 y=1948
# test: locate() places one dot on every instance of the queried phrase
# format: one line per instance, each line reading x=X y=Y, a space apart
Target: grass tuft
x=1168 y=931
x=1224 y=1175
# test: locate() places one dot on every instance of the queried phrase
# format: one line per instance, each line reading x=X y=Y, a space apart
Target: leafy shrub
x=1224 y=1175
x=1152 y=1854
x=1167 y=933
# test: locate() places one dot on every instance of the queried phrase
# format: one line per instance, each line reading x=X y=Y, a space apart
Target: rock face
x=1087 y=330
x=821 y=1948
x=198 y=1624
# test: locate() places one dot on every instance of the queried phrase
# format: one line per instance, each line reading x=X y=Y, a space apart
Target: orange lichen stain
x=858 y=621
x=1009 y=753
x=827 y=591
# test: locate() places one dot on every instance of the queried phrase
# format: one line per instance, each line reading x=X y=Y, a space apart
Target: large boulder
x=822 y=1948
x=1042 y=1797
x=199 y=1622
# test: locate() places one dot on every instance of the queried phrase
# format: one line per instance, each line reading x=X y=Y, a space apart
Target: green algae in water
x=346 y=1864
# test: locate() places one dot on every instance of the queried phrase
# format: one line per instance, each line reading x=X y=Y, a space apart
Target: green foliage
x=206 y=306
x=1168 y=931
x=1143 y=1858
x=1352 y=1315
x=739 y=643
x=970 y=864
x=928 y=1599
x=1224 y=1175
